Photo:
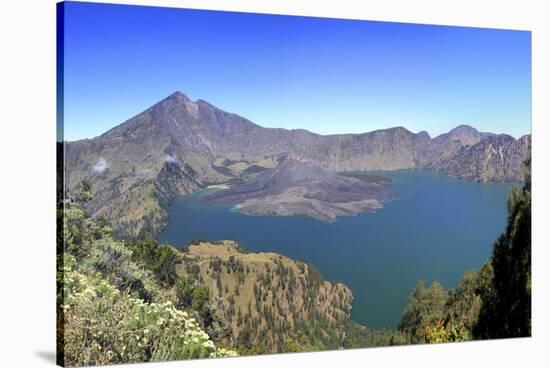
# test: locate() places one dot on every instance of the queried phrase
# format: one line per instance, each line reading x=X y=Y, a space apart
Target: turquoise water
x=436 y=228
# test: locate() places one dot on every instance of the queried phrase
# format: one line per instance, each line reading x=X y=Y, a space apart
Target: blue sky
x=325 y=75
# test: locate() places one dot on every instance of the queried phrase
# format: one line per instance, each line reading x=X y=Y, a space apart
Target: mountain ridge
x=178 y=146
x=180 y=95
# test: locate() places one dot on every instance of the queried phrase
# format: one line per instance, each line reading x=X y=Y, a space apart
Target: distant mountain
x=178 y=146
x=296 y=187
x=466 y=135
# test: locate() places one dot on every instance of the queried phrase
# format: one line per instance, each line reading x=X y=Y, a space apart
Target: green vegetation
x=506 y=310
x=358 y=336
x=190 y=294
x=112 y=308
x=425 y=308
x=105 y=326
x=160 y=259
x=435 y=315
x=269 y=303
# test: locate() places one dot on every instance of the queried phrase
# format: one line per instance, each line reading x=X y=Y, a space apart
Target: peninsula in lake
x=296 y=187
x=179 y=146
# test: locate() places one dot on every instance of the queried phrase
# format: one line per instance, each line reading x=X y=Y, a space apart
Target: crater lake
x=436 y=228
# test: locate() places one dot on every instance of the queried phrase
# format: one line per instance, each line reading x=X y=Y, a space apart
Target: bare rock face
x=301 y=188
x=178 y=146
x=494 y=158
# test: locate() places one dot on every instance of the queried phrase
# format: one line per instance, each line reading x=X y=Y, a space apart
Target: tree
x=161 y=259
x=506 y=310
x=145 y=251
x=83 y=192
x=189 y=294
x=165 y=265
x=426 y=307
x=200 y=298
x=184 y=291
x=464 y=303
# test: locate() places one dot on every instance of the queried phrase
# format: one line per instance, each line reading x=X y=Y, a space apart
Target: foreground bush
x=104 y=326
x=112 y=309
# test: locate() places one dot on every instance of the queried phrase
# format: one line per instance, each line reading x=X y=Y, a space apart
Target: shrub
x=104 y=326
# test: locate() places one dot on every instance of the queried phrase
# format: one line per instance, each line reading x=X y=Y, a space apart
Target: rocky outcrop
x=493 y=158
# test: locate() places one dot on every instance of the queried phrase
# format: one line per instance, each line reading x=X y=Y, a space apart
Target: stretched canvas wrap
x=236 y=184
